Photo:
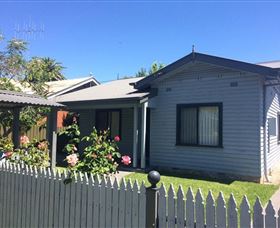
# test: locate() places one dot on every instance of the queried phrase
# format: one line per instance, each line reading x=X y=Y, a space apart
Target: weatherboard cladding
x=273 y=99
x=240 y=152
x=21 y=99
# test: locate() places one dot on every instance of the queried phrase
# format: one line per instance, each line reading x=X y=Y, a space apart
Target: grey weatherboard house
x=200 y=113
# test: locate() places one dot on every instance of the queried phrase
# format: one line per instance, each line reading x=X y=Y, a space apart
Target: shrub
x=35 y=153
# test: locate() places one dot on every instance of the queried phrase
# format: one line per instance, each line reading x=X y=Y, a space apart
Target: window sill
x=194 y=145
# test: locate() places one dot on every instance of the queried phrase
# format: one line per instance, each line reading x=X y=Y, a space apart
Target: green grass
x=238 y=188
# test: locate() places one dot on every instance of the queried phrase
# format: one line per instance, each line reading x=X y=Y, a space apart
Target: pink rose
x=8 y=154
x=24 y=139
x=72 y=159
x=109 y=156
x=126 y=160
x=117 y=138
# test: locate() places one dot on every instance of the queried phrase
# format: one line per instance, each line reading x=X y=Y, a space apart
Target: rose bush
x=101 y=156
x=35 y=153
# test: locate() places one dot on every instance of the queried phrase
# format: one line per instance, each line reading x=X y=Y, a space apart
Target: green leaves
x=99 y=157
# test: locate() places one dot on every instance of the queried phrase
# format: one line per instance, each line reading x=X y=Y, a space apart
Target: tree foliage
x=17 y=73
x=143 y=72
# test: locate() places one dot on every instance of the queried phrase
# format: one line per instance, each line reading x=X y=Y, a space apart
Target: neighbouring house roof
x=57 y=88
x=113 y=90
x=271 y=64
x=214 y=60
x=14 y=99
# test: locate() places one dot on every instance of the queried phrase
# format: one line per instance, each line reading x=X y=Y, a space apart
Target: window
x=109 y=119
x=199 y=124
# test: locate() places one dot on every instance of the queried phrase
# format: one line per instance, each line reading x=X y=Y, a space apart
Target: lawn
x=238 y=188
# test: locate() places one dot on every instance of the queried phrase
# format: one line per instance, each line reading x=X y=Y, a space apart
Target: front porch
x=127 y=120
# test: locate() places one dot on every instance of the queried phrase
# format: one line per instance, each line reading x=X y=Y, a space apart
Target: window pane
x=209 y=126
x=115 y=123
x=188 y=126
x=101 y=120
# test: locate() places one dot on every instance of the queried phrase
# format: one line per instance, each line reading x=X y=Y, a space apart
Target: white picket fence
x=189 y=210
x=39 y=198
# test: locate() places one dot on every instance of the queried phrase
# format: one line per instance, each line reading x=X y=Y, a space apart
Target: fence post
x=152 y=199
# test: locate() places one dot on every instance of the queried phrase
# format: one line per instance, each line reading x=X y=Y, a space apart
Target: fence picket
x=210 y=210
x=258 y=217
x=162 y=207
x=122 y=204
x=84 y=199
x=180 y=208
x=96 y=193
x=232 y=212
x=270 y=218
x=24 y=197
x=72 y=198
x=135 y=203
x=108 y=206
x=102 y=208
x=199 y=209
x=142 y=206
x=78 y=192
x=51 y=183
x=190 y=208
x=115 y=202
x=56 y=199
x=171 y=207
x=67 y=201
x=221 y=211
x=89 y=219
x=245 y=217
x=128 y=204
x=61 y=200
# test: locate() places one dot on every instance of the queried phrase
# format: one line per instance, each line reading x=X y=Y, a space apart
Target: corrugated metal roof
x=113 y=90
x=11 y=98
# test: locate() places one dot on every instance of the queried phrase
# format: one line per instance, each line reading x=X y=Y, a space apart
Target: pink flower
x=126 y=160
x=24 y=139
x=75 y=148
x=72 y=159
x=8 y=154
x=117 y=138
x=42 y=145
x=109 y=156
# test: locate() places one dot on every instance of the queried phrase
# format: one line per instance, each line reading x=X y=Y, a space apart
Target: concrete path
x=120 y=175
x=275 y=179
x=275 y=199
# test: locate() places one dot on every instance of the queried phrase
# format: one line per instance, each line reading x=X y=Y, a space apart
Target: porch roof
x=12 y=99
x=113 y=90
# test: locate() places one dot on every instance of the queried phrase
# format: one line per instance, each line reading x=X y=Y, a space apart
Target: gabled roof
x=214 y=60
x=15 y=99
x=57 y=88
x=113 y=90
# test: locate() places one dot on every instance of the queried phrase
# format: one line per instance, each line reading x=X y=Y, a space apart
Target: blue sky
x=110 y=38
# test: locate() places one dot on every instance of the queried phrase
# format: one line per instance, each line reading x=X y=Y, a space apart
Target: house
x=201 y=113
x=57 y=88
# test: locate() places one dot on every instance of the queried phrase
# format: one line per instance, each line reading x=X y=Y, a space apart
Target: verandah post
x=152 y=199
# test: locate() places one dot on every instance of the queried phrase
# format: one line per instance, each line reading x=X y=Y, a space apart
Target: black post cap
x=153 y=178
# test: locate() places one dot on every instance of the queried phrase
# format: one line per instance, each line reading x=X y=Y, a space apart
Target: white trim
x=135 y=135
x=143 y=135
